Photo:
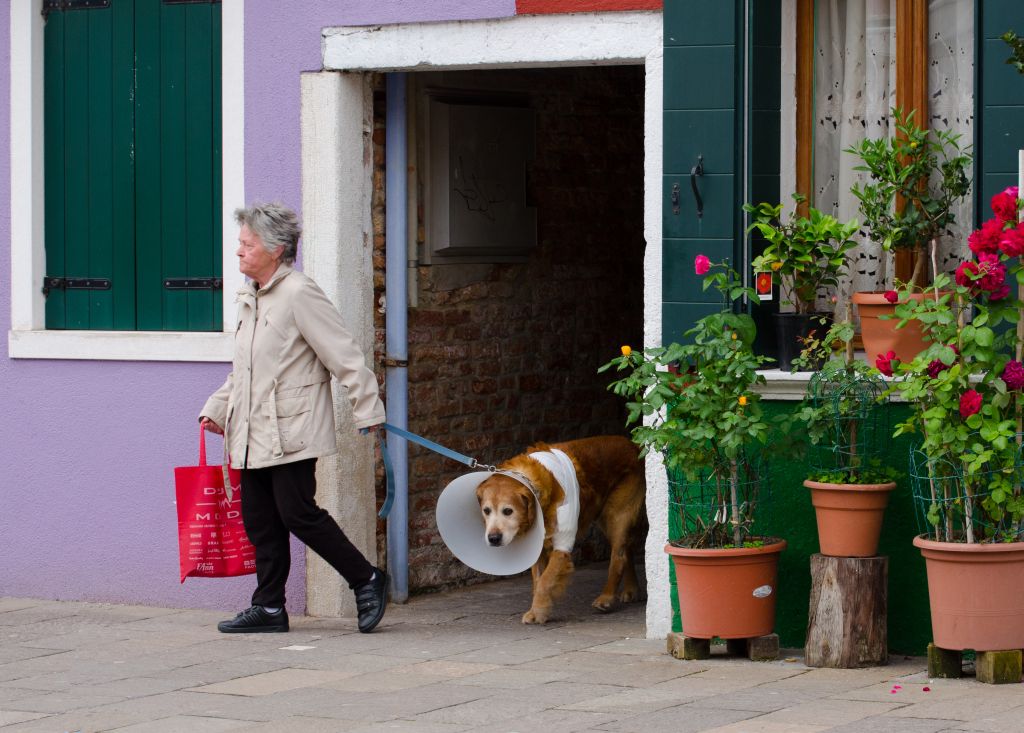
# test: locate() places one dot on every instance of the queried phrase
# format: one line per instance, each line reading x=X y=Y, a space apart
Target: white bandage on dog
x=567 y=516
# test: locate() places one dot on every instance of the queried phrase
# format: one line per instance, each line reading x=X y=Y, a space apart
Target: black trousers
x=279 y=500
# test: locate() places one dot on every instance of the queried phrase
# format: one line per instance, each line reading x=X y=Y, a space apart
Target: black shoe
x=371 y=599
x=254 y=620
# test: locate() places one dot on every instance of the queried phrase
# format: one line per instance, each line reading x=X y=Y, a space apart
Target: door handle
x=697 y=170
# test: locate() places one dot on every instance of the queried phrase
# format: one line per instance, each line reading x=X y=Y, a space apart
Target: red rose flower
x=987 y=238
x=701 y=265
x=1004 y=204
x=987 y=275
x=891 y=295
x=1013 y=375
x=936 y=367
x=1012 y=241
x=885 y=364
x=970 y=403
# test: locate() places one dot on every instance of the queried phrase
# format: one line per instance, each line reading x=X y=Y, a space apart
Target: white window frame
x=28 y=337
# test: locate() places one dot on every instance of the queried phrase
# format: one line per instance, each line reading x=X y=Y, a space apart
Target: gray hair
x=276 y=225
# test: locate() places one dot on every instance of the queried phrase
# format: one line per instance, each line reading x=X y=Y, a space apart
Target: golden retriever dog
x=612 y=488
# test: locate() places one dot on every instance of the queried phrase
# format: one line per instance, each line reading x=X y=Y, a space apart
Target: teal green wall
x=790 y=515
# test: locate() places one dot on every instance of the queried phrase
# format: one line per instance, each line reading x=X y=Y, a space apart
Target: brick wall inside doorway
x=505 y=355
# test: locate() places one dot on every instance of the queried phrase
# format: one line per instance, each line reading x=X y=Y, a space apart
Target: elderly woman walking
x=277 y=415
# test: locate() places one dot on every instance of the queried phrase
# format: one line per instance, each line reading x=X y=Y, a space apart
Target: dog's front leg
x=549 y=587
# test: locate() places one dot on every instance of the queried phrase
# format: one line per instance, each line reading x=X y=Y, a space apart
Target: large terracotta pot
x=880 y=336
x=849 y=516
x=976 y=594
x=727 y=593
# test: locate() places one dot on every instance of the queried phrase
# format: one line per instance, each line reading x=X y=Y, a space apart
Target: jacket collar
x=249 y=290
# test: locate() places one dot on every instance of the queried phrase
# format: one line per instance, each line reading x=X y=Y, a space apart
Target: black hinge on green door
x=75 y=283
x=50 y=6
x=193 y=283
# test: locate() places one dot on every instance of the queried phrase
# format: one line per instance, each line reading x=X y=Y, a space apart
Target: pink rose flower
x=1004 y=204
x=987 y=238
x=970 y=403
x=885 y=364
x=701 y=265
x=891 y=295
x=1012 y=241
x=1013 y=375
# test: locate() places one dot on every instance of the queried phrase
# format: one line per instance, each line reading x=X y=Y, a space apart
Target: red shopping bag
x=211 y=538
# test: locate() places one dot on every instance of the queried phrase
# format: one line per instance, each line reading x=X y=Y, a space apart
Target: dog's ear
x=529 y=508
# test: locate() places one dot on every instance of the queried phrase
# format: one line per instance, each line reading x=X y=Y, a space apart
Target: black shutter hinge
x=193 y=283
x=50 y=6
x=75 y=283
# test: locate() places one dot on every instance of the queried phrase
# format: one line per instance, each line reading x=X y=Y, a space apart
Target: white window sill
x=121 y=345
x=783 y=385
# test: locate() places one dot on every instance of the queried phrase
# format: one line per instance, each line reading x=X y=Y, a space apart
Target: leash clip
x=485 y=466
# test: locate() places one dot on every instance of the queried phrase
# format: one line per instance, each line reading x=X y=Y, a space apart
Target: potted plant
x=809 y=254
x=702 y=415
x=914 y=180
x=967 y=395
x=845 y=423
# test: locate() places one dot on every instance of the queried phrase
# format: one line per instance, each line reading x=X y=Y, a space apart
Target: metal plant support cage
x=951 y=507
x=701 y=508
x=859 y=425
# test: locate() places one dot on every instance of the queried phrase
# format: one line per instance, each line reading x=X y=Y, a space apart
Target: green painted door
x=132 y=164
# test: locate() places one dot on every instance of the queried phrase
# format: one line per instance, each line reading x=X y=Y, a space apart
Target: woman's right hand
x=210 y=425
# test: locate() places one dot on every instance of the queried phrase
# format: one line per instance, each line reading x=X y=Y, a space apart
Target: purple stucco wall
x=87 y=491
x=281 y=41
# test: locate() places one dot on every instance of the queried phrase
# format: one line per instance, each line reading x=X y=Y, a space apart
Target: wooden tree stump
x=846 y=625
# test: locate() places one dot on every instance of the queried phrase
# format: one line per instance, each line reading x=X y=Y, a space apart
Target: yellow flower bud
x=913 y=145
x=734 y=336
x=776 y=266
x=743 y=400
x=626 y=351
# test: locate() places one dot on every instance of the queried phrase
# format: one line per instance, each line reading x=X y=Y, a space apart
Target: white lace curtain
x=854 y=91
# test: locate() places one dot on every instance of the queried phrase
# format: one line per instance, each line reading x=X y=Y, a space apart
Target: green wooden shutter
x=132 y=163
x=999 y=103
x=88 y=165
x=700 y=119
x=708 y=114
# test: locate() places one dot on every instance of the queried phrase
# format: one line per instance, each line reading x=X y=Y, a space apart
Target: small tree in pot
x=703 y=416
x=967 y=395
x=808 y=253
x=846 y=424
x=914 y=181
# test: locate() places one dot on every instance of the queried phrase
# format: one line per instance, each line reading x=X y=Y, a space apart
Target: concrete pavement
x=458 y=661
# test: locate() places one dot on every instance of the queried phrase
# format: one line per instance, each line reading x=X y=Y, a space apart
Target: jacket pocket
x=294 y=421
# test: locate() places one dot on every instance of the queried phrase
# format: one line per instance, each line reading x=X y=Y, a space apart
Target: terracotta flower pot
x=727 y=593
x=976 y=594
x=881 y=336
x=849 y=516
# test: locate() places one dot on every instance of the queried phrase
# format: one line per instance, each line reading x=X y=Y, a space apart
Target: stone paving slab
x=445 y=663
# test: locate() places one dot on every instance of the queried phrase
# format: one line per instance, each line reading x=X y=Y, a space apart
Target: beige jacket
x=276 y=405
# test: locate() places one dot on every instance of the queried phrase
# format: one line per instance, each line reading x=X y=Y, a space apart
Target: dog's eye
x=487 y=510
x=507 y=511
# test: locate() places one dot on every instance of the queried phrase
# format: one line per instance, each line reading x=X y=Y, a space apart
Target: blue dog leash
x=389 y=473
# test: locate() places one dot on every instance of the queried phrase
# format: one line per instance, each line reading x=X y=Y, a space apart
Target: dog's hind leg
x=549 y=586
x=617 y=521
